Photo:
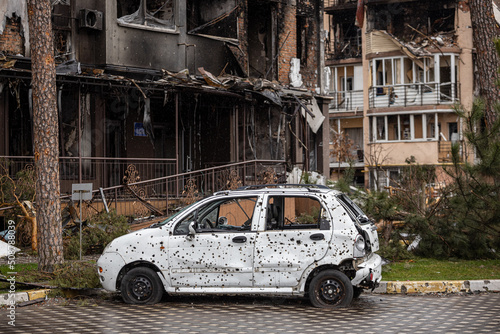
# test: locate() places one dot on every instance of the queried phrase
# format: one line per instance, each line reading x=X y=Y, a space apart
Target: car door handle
x=240 y=239
x=317 y=236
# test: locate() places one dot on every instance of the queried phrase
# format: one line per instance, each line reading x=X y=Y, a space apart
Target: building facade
x=170 y=86
x=396 y=69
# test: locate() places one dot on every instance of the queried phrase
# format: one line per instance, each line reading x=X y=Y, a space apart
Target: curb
x=423 y=287
x=19 y=297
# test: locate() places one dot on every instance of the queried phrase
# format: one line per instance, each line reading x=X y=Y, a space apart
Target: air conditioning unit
x=91 y=19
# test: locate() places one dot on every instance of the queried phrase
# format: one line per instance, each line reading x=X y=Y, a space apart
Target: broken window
x=301 y=39
x=286 y=213
x=226 y=215
x=149 y=13
x=213 y=18
x=409 y=20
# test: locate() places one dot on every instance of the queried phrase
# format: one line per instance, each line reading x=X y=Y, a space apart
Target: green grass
x=436 y=270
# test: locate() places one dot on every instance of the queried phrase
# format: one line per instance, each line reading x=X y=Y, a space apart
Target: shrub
x=100 y=230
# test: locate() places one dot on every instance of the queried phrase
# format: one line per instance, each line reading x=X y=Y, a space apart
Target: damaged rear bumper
x=369 y=272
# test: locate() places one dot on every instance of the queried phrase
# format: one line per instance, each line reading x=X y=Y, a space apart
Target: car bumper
x=369 y=272
x=108 y=268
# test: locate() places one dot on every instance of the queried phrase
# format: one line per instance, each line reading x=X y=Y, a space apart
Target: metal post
x=80 y=225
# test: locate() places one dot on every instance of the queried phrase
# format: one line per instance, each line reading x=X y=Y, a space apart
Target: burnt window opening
x=148 y=13
x=344 y=40
x=213 y=17
x=261 y=39
x=302 y=39
x=404 y=20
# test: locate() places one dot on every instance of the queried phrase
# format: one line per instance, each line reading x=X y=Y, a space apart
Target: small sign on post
x=81 y=192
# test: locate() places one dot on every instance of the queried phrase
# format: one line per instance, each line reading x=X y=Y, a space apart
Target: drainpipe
x=321 y=44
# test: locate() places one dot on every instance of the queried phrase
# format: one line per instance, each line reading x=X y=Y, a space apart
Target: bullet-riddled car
x=286 y=240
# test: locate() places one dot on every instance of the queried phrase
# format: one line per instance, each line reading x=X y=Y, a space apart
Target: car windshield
x=172 y=216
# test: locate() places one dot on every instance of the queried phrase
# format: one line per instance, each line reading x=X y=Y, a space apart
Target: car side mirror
x=192 y=230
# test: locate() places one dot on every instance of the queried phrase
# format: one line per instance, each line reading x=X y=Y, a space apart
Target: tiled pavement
x=474 y=313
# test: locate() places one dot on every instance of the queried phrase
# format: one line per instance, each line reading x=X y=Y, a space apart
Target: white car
x=286 y=240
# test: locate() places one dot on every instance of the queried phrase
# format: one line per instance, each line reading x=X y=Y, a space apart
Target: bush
x=100 y=230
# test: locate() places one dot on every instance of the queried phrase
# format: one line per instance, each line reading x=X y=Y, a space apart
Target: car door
x=220 y=252
x=295 y=231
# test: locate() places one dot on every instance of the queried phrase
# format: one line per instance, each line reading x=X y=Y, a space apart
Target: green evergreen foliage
x=467 y=222
x=101 y=230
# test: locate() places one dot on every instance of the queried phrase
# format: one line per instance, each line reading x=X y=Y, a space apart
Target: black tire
x=330 y=289
x=357 y=292
x=141 y=285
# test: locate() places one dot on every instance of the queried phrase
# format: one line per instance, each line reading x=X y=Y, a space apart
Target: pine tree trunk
x=485 y=30
x=45 y=135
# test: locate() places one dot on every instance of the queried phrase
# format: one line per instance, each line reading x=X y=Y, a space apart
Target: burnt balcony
x=349 y=47
x=333 y=5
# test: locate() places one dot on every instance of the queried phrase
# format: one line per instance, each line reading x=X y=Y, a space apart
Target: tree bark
x=485 y=30
x=45 y=135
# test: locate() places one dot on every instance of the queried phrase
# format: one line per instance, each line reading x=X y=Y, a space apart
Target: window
x=403 y=127
x=213 y=18
x=224 y=215
x=285 y=213
x=146 y=13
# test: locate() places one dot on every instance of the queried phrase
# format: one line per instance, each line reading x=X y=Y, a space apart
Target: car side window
x=295 y=212
x=224 y=215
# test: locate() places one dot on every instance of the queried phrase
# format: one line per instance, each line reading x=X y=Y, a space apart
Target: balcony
x=445 y=151
x=351 y=100
x=415 y=94
x=349 y=47
x=332 y=5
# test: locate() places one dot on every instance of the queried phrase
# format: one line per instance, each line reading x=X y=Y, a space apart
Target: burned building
x=396 y=70
x=170 y=86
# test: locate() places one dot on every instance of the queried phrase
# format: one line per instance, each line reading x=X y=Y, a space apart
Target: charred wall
x=402 y=18
x=12 y=38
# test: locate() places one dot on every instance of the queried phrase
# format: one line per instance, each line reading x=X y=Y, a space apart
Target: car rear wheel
x=141 y=285
x=330 y=288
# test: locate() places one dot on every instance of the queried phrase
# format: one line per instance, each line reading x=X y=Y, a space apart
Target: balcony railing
x=355 y=156
x=445 y=151
x=158 y=196
x=336 y=3
x=136 y=196
x=102 y=172
x=416 y=94
x=350 y=100
x=349 y=47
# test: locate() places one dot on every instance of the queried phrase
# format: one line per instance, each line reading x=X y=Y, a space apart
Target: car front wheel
x=141 y=285
x=330 y=288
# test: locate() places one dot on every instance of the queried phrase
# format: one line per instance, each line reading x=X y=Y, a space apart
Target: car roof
x=278 y=188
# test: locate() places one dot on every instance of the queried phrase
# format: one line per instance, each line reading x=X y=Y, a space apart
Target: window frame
x=169 y=30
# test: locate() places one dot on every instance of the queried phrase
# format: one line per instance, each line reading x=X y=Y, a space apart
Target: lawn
x=430 y=269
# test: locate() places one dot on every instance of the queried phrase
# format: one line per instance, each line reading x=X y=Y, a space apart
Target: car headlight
x=359 y=246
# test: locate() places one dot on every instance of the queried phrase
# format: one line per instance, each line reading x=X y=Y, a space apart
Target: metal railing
x=334 y=3
x=350 y=100
x=101 y=171
x=350 y=47
x=157 y=196
x=137 y=197
x=413 y=94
